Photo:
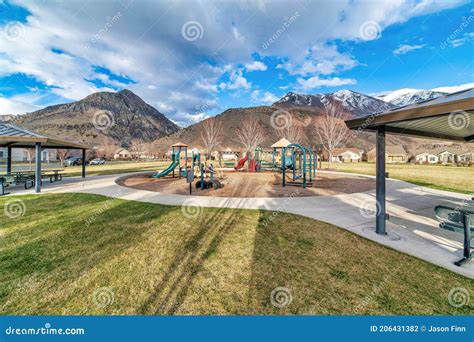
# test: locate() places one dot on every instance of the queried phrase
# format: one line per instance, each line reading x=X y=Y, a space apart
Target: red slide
x=241 y=162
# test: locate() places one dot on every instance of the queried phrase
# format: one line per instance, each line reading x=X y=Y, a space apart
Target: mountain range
x=133 y=118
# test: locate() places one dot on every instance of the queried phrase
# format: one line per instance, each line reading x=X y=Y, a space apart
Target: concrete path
x=412 y=227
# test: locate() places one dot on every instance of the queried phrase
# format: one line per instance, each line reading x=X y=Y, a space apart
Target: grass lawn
x=451 y=178
x=73 y=253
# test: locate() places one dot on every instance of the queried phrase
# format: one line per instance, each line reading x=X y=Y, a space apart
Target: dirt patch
x=262 y=184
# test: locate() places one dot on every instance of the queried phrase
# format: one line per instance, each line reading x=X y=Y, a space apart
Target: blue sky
x=194 y=59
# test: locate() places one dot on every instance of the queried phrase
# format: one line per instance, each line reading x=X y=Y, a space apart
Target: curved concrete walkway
x=412 y=227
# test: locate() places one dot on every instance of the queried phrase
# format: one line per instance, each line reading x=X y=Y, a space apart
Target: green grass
x=443 y=177
x=155 y=260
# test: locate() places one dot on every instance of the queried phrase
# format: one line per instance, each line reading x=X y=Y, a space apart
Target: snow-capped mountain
x=406 y=96
x=356 y=103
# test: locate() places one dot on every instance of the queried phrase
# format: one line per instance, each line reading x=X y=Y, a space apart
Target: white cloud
x=316 y=82
x=405 y=48
x=14 y=106
x=256 y=66
x=454 y=89
x=151 y=50
x=266 y=98
x=237 y=81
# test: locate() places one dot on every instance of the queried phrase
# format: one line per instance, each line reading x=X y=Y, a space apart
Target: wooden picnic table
x=53 y=174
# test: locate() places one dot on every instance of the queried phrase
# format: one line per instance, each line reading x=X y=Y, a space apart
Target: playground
x=285 y=170
x=259 y=184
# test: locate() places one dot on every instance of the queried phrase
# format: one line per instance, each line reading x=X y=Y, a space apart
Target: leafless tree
x=251 y=134
x=109 y=148
x=292 y=133
x=212 y=134
x=331 y=129
x=62 y=154
x=30 y=155
x=137 y=148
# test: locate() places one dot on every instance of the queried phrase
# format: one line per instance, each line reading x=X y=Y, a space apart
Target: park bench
x=458 y=219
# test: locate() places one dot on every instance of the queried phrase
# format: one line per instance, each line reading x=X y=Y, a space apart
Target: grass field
x=117 y=167
x=97 y=255
x=451 y=178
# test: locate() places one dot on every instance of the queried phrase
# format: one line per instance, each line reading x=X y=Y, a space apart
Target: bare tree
x=30 y=155
x=331 y=129
x=109 y=148
x=251 y=134
x=212 y=134
x=292 y=133
x=137 y=148
x=62 y=154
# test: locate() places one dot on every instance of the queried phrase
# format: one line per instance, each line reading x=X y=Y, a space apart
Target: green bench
x=461 y=220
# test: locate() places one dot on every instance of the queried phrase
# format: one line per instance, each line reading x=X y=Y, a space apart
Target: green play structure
x=176 y=150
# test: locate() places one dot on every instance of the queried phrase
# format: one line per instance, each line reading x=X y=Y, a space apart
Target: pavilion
x=449 y=117
x=12 y=136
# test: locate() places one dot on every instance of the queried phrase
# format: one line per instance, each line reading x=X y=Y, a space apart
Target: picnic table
x=53 y=174
x=458 y=218
x=27 y=177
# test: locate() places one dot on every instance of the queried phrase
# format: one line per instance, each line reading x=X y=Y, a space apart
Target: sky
x=194 y=59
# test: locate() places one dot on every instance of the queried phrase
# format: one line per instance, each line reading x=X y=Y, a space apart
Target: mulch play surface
x=261 y=184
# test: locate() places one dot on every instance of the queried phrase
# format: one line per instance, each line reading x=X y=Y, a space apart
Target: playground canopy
x=281 y=143
x=12 y=136
x=449 y=117
x=179 y=144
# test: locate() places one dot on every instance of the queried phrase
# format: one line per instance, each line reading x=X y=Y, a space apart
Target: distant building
x=426 y=158
x=442 y=155
x=347 y=155
x=122 y=153
x=24 y=155
x=393 y=154
x=466 y=157
x=228 y=154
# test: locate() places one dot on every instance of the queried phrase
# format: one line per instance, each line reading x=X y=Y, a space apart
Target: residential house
x=425 y=157
x=467 y=158
x=347 y=155
x=122 y=153
x=24 y=155
x=393 y=154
